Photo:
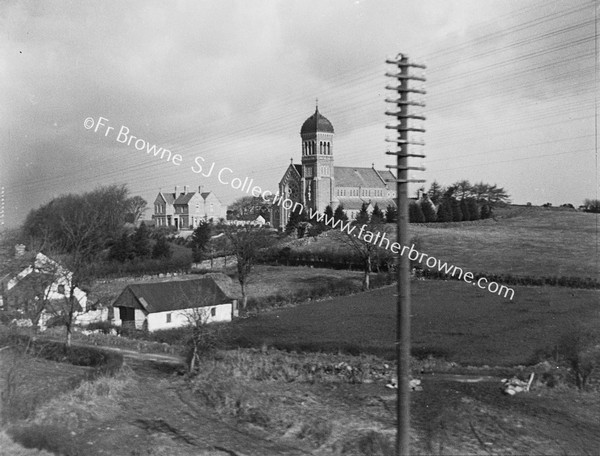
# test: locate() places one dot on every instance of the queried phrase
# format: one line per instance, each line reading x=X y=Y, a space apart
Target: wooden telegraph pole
x=402 y=77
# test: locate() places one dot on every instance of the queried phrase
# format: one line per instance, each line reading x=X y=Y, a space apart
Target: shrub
x=106 y=327
x=580 y=348
x=48 y=437
x=317 y=431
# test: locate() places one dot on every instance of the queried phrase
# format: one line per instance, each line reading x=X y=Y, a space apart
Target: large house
x=316 y=183
x=185 y=209
x=164 y=305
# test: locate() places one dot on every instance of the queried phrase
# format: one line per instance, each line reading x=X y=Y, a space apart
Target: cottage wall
x=178 y=318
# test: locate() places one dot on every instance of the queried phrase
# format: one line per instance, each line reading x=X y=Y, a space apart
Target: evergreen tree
x=444 y=213
x=199 y=240
x=294 y=223
x=122 y=249
x=161 y=249
x=363 y=215
x=485 y=212
x=391 y=214
x=436 y=192
x=377 y=215
x=329 y=215
x=457 y=215
x=415 y=213
x=464 y=209
x=428 y=210
x=473 y=209
x=141 y=242
x=339 y=213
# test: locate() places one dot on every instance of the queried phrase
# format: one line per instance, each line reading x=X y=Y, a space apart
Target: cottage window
x=169 y=317
x=213 y=311
x=61 y=289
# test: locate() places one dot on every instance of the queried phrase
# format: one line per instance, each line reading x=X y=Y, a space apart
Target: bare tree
x=366 y=243
x=136 y=206
x=246 y=243
x=202 y=335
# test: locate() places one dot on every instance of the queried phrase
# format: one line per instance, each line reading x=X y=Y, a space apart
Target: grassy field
x=449 y=319
x=525 y=241
x=36 y=382
x=264 y=281
x=530 y=241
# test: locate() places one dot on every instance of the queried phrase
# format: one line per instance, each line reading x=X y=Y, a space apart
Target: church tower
x=318 y=181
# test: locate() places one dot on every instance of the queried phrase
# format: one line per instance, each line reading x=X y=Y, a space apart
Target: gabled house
x=185 y=210
x=38 y=287
x=164 y=305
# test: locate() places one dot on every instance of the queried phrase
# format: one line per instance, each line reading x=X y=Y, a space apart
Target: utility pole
x=1 y=208
x=402 y=76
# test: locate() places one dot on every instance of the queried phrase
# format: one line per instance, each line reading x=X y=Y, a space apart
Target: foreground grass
x=8 y=447
x=56 y=424
x=450 y=319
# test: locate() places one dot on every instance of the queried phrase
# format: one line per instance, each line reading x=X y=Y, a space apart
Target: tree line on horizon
x=459 y=202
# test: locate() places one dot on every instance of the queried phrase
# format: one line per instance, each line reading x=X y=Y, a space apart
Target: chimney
x=200 y=189
x=176 y=189
x=185 y=189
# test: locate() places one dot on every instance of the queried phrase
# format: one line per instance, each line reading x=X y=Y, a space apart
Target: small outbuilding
x=165 y=305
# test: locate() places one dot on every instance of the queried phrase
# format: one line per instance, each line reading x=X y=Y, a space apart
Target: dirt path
x=160 y=417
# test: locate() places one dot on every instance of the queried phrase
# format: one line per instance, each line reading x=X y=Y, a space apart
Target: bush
x=580 y=348
x=106 y=327
x=48 y=437
x=317 y=431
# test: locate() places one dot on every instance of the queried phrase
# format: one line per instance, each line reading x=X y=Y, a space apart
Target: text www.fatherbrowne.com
x=381 y=240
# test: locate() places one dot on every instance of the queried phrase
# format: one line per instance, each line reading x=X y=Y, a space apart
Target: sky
x=511 y=93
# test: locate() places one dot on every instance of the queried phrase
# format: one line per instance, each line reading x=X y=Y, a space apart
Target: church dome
x=316 y=122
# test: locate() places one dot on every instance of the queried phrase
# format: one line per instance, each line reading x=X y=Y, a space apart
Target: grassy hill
x=524 y=241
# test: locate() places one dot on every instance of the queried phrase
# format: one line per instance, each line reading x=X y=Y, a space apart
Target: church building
x=316 y=182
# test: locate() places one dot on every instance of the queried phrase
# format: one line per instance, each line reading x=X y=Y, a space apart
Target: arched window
x=328 y=148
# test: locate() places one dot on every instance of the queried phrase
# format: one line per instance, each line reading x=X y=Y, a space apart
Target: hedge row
x=340 y=288
x=139 y=268
x=103 y=361
x=509 y=279
x=330 y=260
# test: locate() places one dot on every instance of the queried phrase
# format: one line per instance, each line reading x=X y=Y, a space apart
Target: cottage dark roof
x=316 y=122
x=348 y=176
x=174 y=295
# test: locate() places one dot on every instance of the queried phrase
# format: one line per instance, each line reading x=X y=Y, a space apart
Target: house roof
x=349 y=176
x=168 y=197
x=185 y=198
x=175 y=295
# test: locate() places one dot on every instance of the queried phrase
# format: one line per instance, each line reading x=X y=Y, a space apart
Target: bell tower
x=318 y=181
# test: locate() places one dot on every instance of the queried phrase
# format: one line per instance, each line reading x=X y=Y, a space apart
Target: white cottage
x=165 y=305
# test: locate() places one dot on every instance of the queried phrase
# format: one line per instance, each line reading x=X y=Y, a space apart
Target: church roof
x=350 y=176
x=356 y=203
x=316 y=122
